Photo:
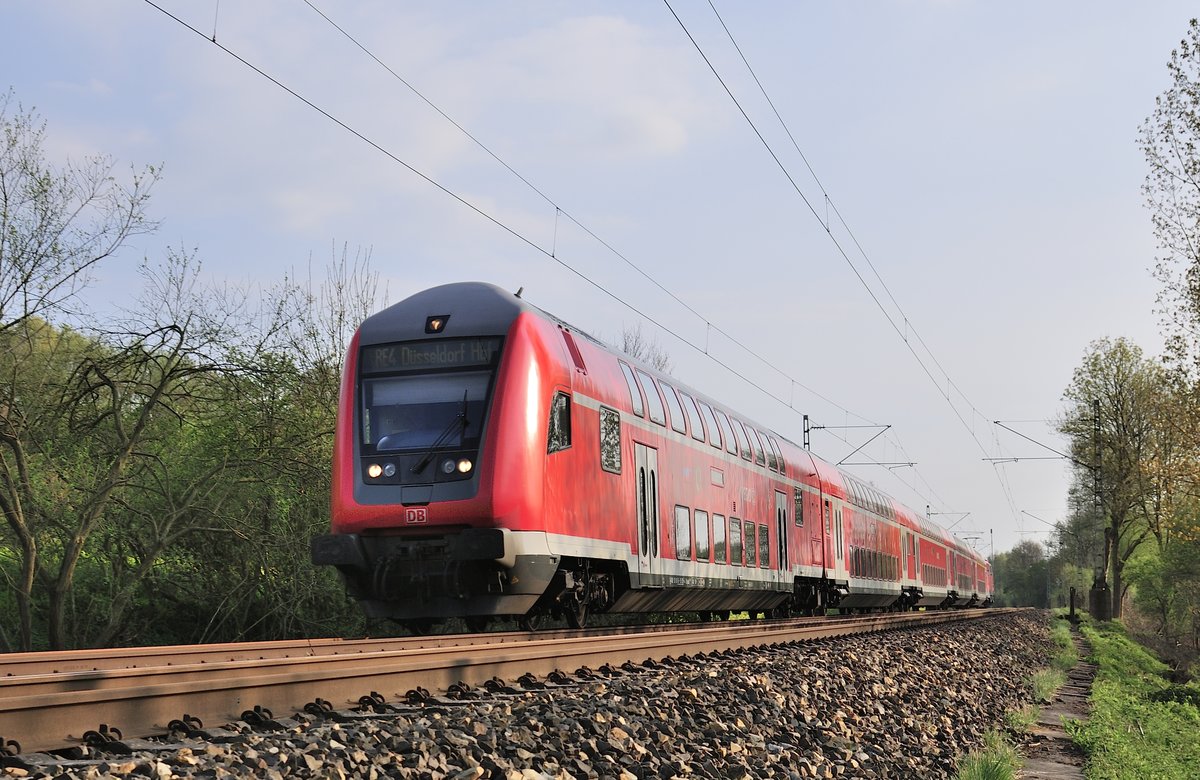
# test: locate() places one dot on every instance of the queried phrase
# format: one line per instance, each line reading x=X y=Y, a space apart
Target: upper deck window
x=739 y=433
x=689 y=408
x=674 y=407
x=635 y=395
x=727 y=432
x=756 y=445
x=780 y=463
x=653 y=402
x=714 y=432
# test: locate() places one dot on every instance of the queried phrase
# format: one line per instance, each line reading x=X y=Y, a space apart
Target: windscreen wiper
x=460 y=421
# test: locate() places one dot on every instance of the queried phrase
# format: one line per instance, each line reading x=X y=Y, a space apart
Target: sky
x=927 y=224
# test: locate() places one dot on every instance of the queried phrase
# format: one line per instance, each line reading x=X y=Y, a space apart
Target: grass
x=1022 y=720
x=1065 y=654
x=997 y=761
x=1140 y=726
x=1046 y=682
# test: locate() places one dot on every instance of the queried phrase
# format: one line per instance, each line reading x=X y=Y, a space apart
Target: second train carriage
x=492 y=460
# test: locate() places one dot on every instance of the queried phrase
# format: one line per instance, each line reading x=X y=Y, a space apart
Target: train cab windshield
x=426 y=395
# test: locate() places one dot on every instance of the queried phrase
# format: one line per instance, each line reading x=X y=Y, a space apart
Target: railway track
x=50 y=701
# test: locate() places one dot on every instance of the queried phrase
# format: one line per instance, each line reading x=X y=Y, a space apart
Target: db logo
x=416 y=515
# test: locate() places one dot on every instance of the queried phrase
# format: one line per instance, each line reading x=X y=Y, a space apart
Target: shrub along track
x=51 y=700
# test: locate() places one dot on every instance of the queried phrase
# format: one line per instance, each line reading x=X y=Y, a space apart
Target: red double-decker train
x=491 y=460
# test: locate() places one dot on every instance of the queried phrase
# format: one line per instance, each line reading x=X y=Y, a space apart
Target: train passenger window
x=731 y=446
x=683 y=533
x=653 y=403
x=799 y=499
x=714 y=433
x=764 y=547
x=756 y=445
x=674 y=407
x=635 y=395
x=772 y=461
x=739 y=433
x=610 y=440
x=778 y=454
x=735 y=541
x=719 y=538
x=558 y=434
x=689 y=408
x=702 y=549
x=749 y=547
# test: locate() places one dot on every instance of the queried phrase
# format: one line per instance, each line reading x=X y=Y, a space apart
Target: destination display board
x=439 y=354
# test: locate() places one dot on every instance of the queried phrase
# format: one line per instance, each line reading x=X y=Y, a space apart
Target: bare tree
x=56 y=224
x=638 y=346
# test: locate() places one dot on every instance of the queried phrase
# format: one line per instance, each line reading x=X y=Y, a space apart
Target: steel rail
x=50 y=711
x=92 y=660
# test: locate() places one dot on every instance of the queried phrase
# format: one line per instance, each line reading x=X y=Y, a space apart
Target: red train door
x=645 y=461
x=781 y=522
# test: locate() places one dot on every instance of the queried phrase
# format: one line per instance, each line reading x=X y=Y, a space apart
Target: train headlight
x=448 y=466
x=465 y=465
x=389 y=469
x=374 y=471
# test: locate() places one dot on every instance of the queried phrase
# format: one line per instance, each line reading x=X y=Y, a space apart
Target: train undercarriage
x=473 y=574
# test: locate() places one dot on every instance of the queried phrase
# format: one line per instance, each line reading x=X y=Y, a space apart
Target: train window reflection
x=635 y=395
x=653 y=402
x=418 y=411
x=702 y=550
x=558 y=433
x=683 y=533
x=719 y=538
x=674 y=407
x=610 y=440
x=689 y=408
x=714 y=433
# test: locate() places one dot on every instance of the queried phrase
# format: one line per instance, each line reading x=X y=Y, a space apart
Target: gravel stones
x=900 y=705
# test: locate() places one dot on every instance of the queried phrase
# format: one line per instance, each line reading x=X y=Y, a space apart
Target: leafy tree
x=1021 y=575
x=56 y=224
x=1127 y=388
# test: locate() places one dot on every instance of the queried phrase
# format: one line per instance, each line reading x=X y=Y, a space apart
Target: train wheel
x=477 y=624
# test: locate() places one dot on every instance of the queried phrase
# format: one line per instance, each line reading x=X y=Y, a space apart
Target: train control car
x=491 y=460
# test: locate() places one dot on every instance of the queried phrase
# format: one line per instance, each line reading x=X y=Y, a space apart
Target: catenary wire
x=560 y=211
x=1002 y=478
x=514 y=232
